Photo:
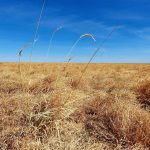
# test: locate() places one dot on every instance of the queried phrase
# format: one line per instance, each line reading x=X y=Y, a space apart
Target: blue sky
x=130 y=43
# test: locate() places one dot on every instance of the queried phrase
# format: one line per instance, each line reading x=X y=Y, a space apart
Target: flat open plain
x=45 y=106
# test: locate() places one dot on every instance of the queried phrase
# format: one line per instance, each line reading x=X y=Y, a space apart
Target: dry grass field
x=44 y=108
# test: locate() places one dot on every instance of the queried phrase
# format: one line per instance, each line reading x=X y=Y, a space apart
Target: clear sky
x=130 y=43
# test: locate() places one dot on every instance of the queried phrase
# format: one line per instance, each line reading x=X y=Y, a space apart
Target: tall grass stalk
x=76 y=42
x=21 y=51
x=19 y=64
x=93 y=55
x=67 y=63
x=36 y=33
x=51 y=39
x=20 y=54
x=68 y=57
x=96 y=51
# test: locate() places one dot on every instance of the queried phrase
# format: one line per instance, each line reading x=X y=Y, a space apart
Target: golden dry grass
x=46 y=108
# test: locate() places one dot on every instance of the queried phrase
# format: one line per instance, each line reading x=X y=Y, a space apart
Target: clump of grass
x=43 y=86
x=11 y=141
x=116 y=122
x=99 y=83
x=43 y=117
x=11 y=88
x=73 y=82
x=143 y=92
x=37 y=124
x=49 y=79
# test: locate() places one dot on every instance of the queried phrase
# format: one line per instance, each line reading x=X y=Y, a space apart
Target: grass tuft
x=143 y=92
x=43 y=86
x=114 y=122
